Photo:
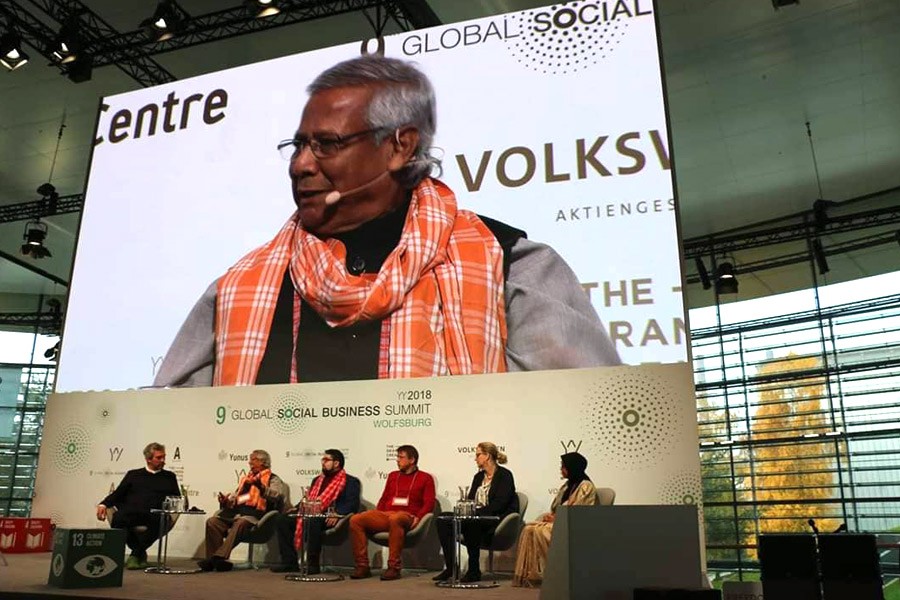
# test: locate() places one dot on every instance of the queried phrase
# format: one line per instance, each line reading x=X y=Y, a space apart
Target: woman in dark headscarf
x=535 y=538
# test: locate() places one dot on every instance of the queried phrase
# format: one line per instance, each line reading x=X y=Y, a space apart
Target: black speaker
x=850 y=567
x=789 y=569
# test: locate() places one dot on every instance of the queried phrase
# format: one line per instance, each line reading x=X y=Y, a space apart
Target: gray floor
x=25 y=578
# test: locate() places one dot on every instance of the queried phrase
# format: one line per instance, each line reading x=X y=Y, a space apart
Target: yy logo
x=570 y=446
x=115 y=453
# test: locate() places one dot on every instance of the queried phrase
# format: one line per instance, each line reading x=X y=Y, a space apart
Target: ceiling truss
x=132 y=51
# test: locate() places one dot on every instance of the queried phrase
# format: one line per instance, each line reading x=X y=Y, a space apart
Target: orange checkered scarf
x=440 y=293
x=248 y=494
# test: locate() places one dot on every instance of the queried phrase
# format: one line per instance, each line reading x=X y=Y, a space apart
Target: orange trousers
x=396 y=523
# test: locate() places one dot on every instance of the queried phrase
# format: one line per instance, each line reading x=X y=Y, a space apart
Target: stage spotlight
x=262 y=8
x=165 y=22
x=67 y=45
x=819 y=255
x=35 y=233
x=12 y=56
x=81 y=69
x=52 y=352
x=726 y=282
x=704 y=275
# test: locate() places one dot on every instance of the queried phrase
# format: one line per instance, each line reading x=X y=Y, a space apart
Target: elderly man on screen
x=257 y=493
x=379 y=273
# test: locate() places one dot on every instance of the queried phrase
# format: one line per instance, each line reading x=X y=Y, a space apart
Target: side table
x=162 y=548
x=455 y=582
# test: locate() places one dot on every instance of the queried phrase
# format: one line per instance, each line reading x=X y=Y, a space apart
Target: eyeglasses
x=321 y=147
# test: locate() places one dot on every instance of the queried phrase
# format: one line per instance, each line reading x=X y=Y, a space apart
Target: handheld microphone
x=812 y=524
x=334 y=196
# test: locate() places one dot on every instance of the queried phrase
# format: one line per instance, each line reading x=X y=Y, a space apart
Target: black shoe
x=223 y=565
x=443 y=575
x=206 y=564
x=289 y=568
x=471 y=576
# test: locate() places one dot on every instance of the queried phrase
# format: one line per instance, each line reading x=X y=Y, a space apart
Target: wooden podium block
x=87 y=558
x=607 y=552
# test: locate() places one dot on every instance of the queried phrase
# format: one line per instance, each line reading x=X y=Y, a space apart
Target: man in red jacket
x=408 y=496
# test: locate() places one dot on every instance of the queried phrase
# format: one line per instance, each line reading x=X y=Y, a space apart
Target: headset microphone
x=334 y=196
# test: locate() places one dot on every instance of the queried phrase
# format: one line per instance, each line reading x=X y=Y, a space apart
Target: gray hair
x=403 y=96
x=263 y=457
x=152 y=447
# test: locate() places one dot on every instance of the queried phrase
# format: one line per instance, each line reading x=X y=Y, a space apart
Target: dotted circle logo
x=105 y=415
x=289 y=409
x=567 y=38
x=72 y=448
x=682 y=488
x=629 y=418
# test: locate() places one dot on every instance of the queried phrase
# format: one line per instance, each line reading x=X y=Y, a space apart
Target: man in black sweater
x=140 y=490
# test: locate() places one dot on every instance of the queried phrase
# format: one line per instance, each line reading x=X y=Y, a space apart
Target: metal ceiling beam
x=32 y=30
x=39 y=208
x=796 y=231
x=96 y=34
x=131 y=51
x=47 y=322
x=227 y=23
x=795 y=258
x=417 y=14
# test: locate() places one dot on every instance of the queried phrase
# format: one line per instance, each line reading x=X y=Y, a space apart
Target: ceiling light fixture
x=262 y=8
x=52 y=353
x=726 y=282
x=12 y=56
x=34 y=236
x=67 y=46
x=80 y=69
x=167 y=20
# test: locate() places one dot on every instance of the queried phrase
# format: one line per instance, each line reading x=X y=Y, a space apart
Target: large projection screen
x=551 y=120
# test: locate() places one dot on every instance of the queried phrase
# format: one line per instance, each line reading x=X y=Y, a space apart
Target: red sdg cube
x=18 y=535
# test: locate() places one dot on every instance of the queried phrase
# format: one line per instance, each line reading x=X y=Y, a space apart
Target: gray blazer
x=550 y=321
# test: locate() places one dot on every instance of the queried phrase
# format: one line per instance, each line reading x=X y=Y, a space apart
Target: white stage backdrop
x=636 y=426
x=551 y=120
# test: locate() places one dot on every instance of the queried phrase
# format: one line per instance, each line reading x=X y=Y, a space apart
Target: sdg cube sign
x=87 y=558
x=19 y=534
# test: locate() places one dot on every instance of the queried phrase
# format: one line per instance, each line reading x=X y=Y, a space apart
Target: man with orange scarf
x=257 y=493
x=379 y=273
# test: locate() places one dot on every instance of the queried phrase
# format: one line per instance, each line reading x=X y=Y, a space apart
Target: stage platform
x=26 y=579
